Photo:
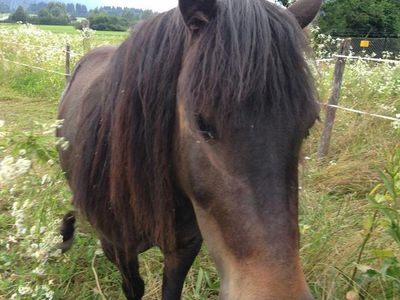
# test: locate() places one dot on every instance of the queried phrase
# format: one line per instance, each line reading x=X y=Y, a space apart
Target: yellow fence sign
x=364 y=44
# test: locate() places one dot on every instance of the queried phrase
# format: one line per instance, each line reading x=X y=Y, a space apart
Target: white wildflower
x=49 y=295
x=12 y=239
x=45 y=179
x=99 y=252
x=2 y=122
x=11 y=169
x=32 y=230
x=396 y=124
x=25 y=290
x=38 y=271
x=62 y=143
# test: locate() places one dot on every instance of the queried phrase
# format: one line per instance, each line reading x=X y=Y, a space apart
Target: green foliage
x=384 y=200
x=367 y=18
x=54 y=14
x=19 y=15
x=103 y=21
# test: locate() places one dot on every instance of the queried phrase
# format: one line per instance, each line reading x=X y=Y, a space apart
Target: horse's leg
x=132 y=283
x=176 y=267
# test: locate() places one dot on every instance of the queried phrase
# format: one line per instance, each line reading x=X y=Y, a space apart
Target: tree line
x=356 y=18
x=56 y=13
x=344 y=18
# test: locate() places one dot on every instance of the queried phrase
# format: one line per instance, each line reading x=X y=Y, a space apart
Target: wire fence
x=73 y=53
x=33 y=67
x=339 y=58
x=375 y=47
x=360 y=112
x=77 y=54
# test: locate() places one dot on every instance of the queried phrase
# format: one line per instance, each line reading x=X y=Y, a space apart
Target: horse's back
x=81 y=99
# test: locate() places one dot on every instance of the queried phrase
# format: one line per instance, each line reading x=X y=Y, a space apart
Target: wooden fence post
x=334 y=99
x=67 y=64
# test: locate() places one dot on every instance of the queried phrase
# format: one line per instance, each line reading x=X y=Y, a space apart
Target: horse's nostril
x=206 y=130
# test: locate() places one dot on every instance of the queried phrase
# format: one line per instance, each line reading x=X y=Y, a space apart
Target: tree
x=103 y=21
x=71 y=9
x=36 y=7
x=367 y=18
x=53 y=14
x=81 y=10
x=19 y=15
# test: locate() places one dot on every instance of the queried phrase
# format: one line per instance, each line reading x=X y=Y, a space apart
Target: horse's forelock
x=251 y=51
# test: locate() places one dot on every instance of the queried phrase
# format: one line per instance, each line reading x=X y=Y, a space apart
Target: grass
x=334 y=211
x=67 y=29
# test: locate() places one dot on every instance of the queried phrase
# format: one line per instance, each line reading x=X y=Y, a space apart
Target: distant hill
x=13 y=4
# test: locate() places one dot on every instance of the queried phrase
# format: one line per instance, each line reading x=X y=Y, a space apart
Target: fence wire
x=58 y=50
x=360 y=112
x=318 y=60
x=33 y=67
x=378 y=47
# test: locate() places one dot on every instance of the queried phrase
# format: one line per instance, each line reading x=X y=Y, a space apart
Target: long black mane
x=249 y=52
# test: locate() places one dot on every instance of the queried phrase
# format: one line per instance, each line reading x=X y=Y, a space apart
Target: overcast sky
x=155 y=5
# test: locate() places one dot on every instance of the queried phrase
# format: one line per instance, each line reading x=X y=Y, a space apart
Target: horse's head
x=245 y=103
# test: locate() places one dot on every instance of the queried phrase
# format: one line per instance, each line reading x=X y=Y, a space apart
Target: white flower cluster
x=396 y=124
x=2 y=134
x=52 y=128
x=18 y=212
x=31 y=45
x=62 y=143
x=11 y=168
x=40 y=292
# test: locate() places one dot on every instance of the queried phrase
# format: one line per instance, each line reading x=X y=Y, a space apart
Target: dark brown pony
x=191 y=130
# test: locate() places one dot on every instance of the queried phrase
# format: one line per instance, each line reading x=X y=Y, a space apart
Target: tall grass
x=349 y=207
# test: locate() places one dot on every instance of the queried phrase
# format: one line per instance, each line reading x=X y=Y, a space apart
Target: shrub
x=19 y=16
x=103 y=21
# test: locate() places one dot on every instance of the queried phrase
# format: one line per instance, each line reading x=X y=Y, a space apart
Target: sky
x=154 y=5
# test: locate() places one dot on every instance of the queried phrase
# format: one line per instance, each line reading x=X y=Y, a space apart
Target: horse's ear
x=305 y=10
x=197 y=13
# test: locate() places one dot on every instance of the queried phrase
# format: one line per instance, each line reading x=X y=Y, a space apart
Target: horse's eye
x=206 y=130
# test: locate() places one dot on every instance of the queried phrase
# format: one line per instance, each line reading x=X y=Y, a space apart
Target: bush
x=53 y=14
x=19 y=16
x=105 y=22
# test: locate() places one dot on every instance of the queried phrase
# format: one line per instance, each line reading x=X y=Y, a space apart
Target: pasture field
x=349 y=203
x=112 y=37
x=64 y=29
